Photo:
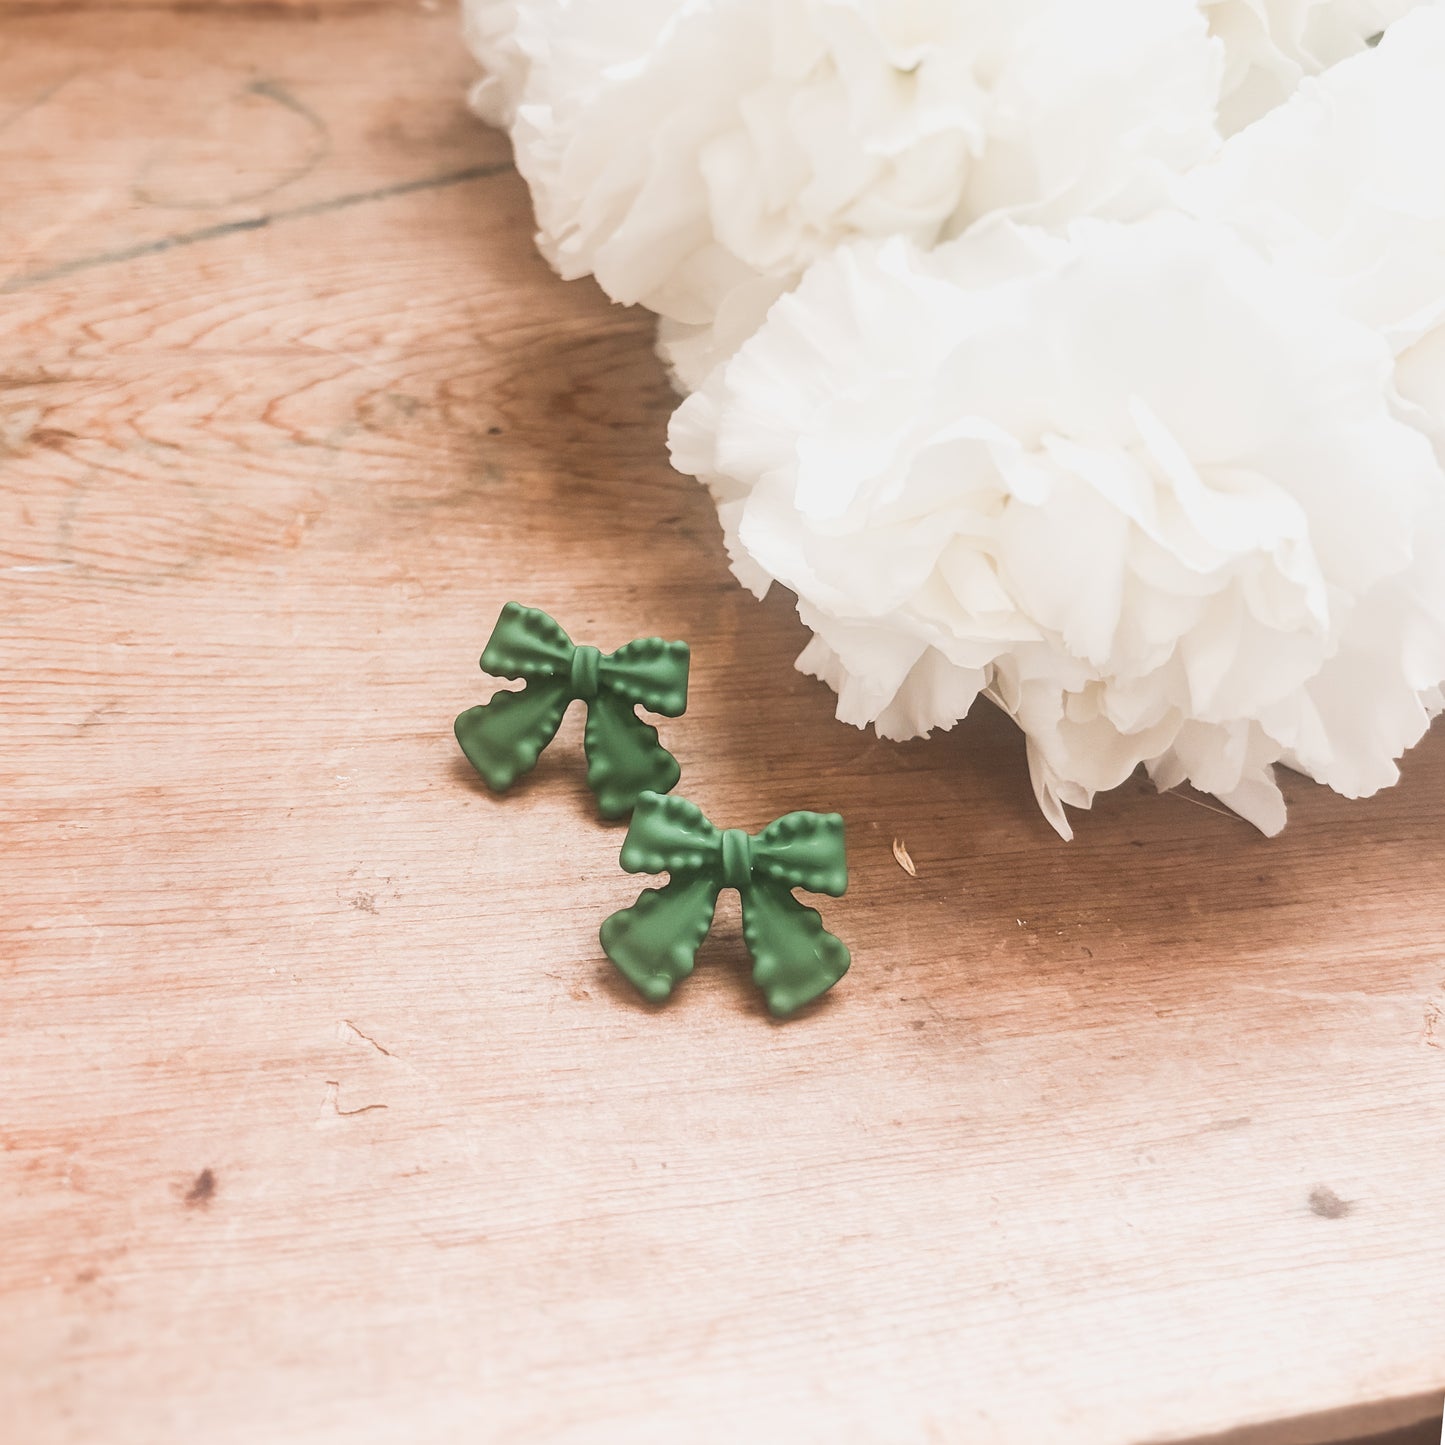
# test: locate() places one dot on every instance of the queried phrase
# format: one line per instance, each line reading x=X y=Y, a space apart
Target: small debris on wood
x=203 y=1190
x=904 y=858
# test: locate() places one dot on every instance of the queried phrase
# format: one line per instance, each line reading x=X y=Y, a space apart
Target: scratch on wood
x=350 y=1031
x=1200 y=803
x=148 y=193
x=331 y=1109
x=36 y=101
x=27 y=279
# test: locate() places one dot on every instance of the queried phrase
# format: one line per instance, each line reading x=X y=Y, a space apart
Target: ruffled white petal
x=490 y=28
x=1271 y=45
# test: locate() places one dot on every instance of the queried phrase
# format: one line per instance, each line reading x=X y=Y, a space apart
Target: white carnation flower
x=1273 y=44
x=1135 y=484
x=696 y=155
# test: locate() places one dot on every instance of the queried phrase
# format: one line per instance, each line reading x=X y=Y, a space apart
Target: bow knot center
x=585 y=663
x=737 y=858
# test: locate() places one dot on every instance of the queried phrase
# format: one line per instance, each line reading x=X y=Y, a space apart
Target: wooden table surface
x=324 y=1118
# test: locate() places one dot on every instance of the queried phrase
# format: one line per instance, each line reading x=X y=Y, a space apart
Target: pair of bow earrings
x=654 y=943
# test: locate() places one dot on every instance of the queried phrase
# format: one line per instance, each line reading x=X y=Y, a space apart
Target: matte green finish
x=504 y=738
x=654 y=943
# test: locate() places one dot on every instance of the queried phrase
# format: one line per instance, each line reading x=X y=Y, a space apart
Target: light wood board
x=322 y=1116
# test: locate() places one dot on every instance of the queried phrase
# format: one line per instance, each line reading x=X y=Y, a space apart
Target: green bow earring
x=655 y=942
x=504 y=738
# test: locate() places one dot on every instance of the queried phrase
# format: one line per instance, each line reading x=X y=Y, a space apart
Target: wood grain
x=325 y=1119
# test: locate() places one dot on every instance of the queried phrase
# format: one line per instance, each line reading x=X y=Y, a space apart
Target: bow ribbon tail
x=795 y=959
x=504 y=738
x=624 y=756
x=655 y=942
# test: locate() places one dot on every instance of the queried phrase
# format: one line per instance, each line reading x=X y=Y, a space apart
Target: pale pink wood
x=324 y=1117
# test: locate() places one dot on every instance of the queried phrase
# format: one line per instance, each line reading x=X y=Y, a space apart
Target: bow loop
x=649 y=673
x=527 y=643
x=670 y=835
x=803 y=850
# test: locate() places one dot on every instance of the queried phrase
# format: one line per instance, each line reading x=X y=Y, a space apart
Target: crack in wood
x=28 y=279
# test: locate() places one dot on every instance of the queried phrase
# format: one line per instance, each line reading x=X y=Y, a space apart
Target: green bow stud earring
x=504 y=738
x=655 y=942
